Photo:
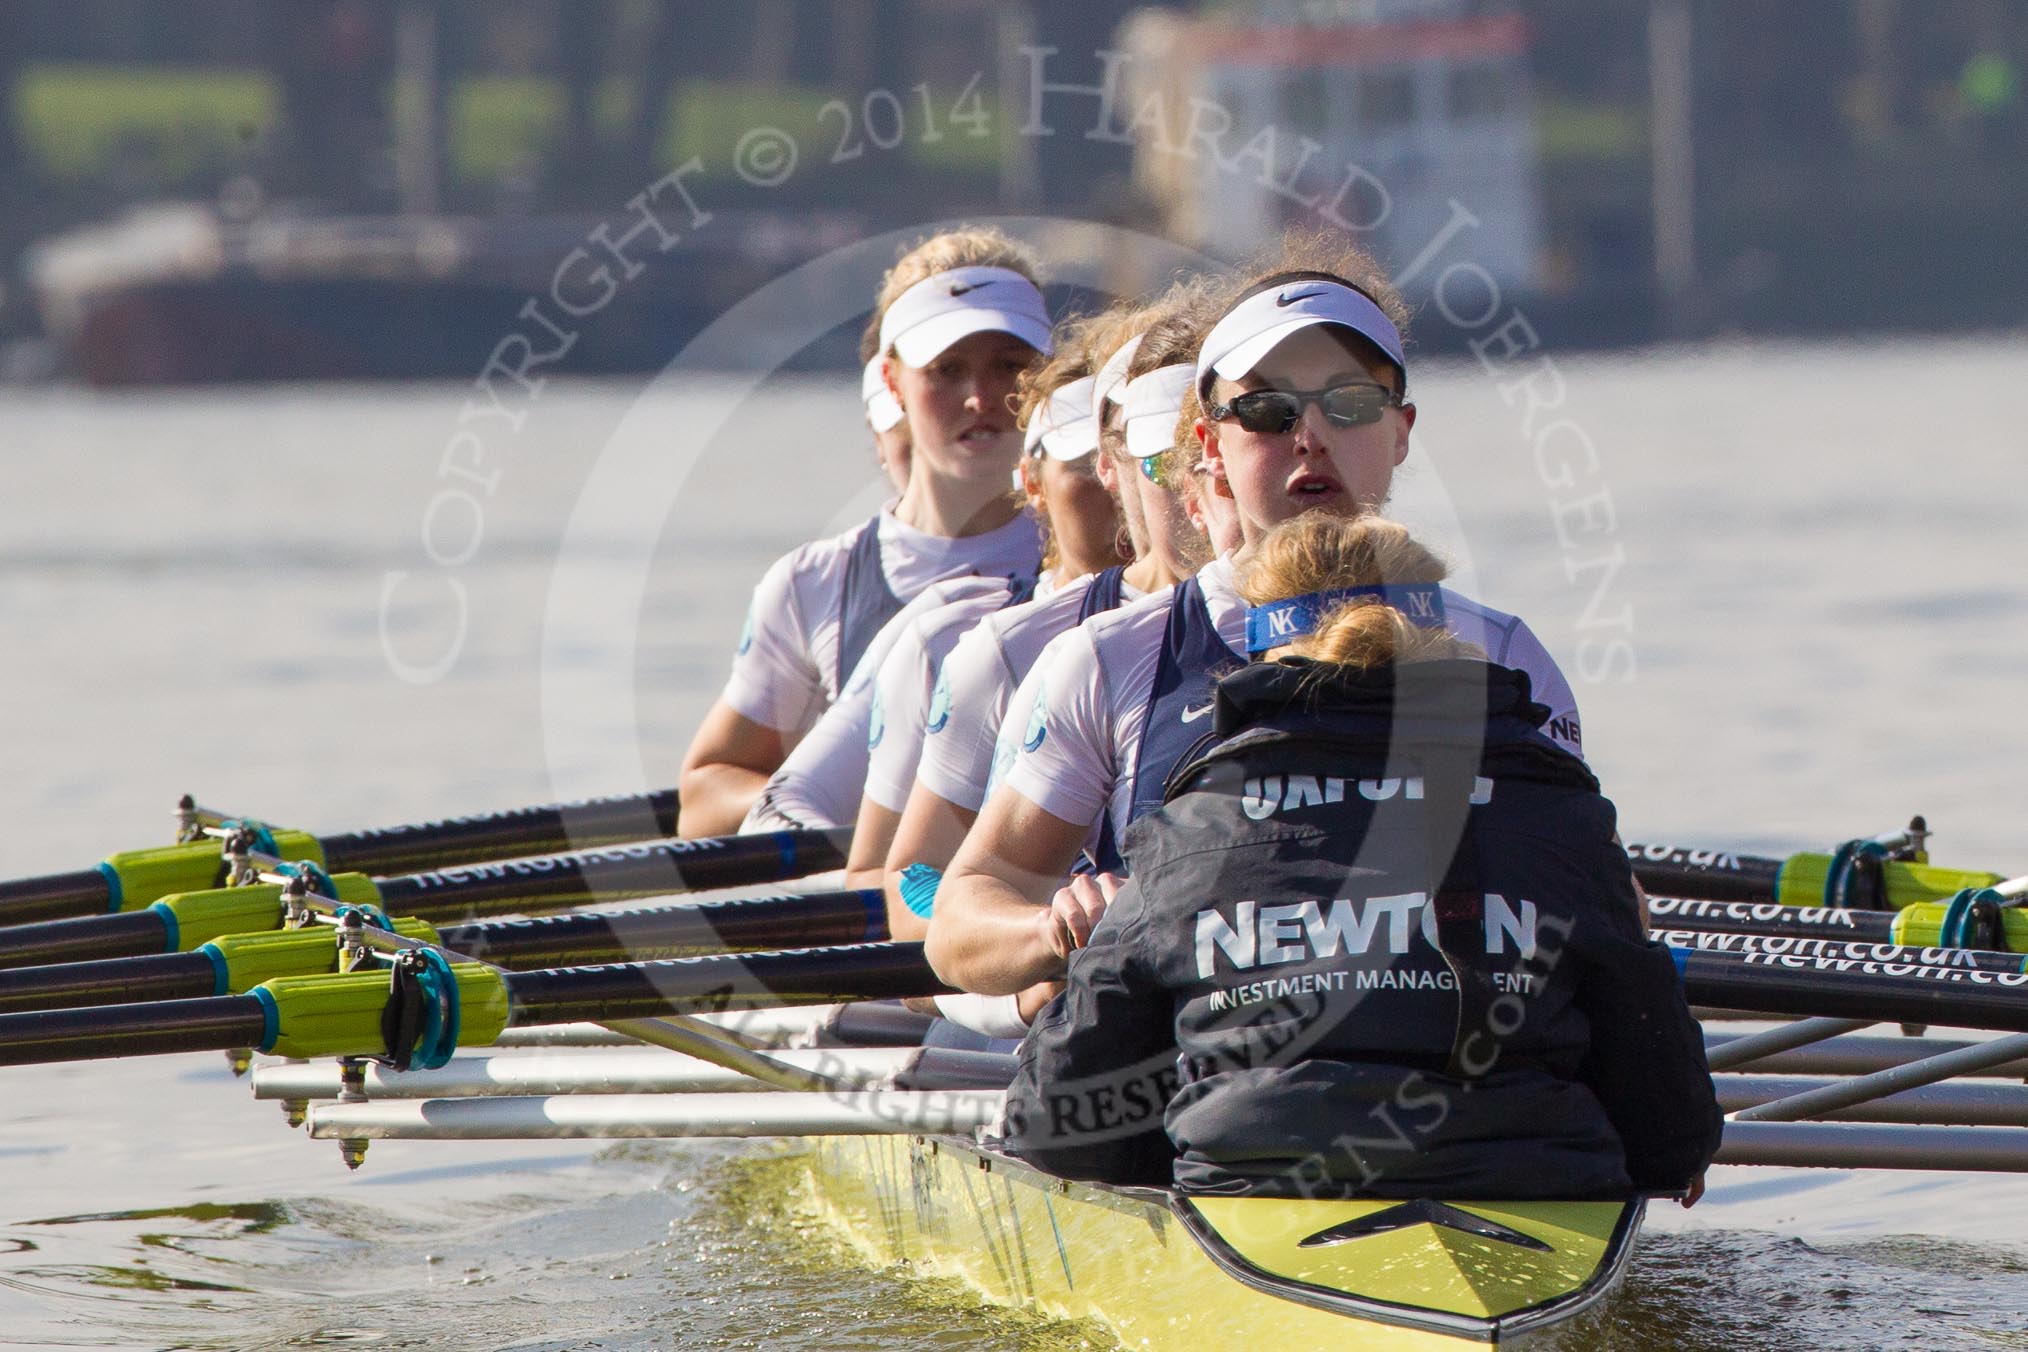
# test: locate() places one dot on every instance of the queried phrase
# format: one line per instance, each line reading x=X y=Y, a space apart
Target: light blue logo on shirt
x=1038 y=722
x=877 y=727
x=940 y=703
x=746 y=634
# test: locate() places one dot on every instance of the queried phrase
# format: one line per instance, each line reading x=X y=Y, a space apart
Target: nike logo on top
x=1287 y=298
x=1192 y=715
x=960 y=288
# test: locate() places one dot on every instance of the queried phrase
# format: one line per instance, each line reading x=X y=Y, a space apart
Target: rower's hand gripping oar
x=132 y=879
x=615 y=873
x=1884 y=872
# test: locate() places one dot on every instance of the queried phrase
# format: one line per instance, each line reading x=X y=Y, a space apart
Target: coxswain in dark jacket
x=1306 y=991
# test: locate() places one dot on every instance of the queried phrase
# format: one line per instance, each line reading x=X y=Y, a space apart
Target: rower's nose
x=1308 y=432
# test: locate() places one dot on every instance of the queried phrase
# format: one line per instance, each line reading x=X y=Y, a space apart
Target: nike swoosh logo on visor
x=960 y=288
x=1286 y=299
x=1192 y=715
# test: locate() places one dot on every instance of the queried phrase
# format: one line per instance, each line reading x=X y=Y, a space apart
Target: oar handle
x=656 y=868
x=544 y=829
x=54 y=896
x=811 y=976
x=99 y=936
x=811 y=919
x=113 y=981
x=215 y=1024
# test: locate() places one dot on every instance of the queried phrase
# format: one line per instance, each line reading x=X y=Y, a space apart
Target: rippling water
x=1808 y=553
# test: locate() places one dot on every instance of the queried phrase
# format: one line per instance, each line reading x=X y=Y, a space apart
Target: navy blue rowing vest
x=865 y=602
x=1179 y=709
x=1103 y=594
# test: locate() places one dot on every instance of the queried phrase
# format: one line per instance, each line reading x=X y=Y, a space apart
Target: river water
x=1779 y=576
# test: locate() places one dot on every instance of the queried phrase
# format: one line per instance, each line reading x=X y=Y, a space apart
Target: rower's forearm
x=984 y=937
x=716 y=799
x=902 y=922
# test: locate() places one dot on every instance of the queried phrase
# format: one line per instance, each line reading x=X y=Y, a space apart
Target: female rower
x=1380 y=940
x=982 y=672
x=1302 y=384
x=846 y=769
x=960 y=318
x=1060 y=483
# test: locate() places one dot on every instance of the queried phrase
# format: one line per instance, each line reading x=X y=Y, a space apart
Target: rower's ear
x=1401 y=437
x=1206 y=433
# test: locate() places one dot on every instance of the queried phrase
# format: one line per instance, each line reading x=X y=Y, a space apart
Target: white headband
x=939 y=310
x=1110 y=383
x=883 y=410
x=1152 y=406
x=1063 y=425
x=1252 y=328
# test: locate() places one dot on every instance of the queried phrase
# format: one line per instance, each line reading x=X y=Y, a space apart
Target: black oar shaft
x=217 y=1023
x=114 y=981
x=1771 y=918
x=546 y=829
x=652 y=869
x=25 y=901
x=1679 y=872
x=1834 y=952
x=813 y=919
x=126 y=934
x=1796 y=986
x=813 y=976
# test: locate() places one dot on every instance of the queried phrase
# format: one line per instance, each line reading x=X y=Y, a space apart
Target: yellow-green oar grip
x=196 y=918
x=1803 y=877
x=1922 y=925
x=338 y=1014
x=139 y=877
x=244 y=961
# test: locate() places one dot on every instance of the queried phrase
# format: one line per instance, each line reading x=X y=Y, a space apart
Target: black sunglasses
x=1275 y=411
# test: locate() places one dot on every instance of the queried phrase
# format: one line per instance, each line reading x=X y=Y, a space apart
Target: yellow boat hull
x=1161 y=1271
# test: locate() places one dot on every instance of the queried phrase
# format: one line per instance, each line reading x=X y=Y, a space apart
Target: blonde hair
x=1319 y=552
x=968 y=246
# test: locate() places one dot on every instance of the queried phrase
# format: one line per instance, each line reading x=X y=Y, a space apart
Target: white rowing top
x=904 y=699
x=977 y=681
x=784 y=674
x=1092 y=685
x=819 y=783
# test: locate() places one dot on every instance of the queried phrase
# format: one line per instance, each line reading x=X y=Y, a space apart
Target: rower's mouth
x=982 y=434
x=1311 y=487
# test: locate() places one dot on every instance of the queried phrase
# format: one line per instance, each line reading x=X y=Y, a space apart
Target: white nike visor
x=1152 y=406
x=1252 y=328
x=883 y=410
x=939 y=310
x=1062 y=426
x=1111 y=381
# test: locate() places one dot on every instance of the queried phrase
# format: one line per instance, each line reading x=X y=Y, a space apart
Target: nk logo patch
x=940 y=704
x=745 y=635
x=876 y=728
